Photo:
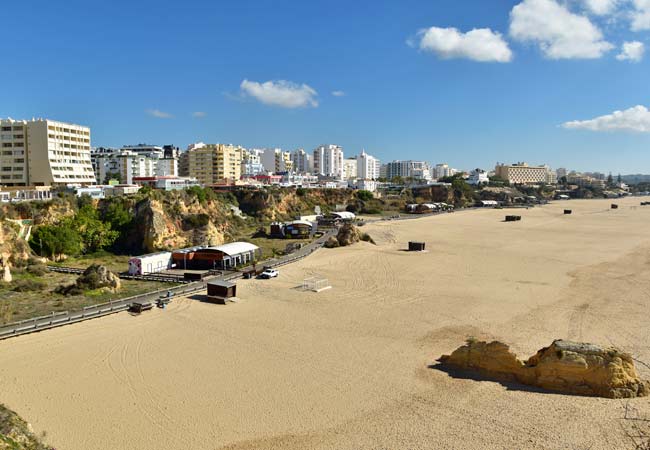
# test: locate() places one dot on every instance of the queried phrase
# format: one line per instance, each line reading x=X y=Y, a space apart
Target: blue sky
x=410 y=87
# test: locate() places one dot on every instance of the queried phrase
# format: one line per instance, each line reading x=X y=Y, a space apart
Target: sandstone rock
x=564 y=366
x=98 y=277
x=331 y=242
x=5 y=276
x=348 y=234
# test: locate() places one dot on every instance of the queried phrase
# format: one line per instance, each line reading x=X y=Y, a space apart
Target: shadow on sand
x=510 y=385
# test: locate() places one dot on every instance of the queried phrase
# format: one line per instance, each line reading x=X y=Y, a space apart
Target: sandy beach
x=349 y=368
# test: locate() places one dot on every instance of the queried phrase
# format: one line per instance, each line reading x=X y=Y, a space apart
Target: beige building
x=522 y=173
x=215 y=163
x=44 y=153
x=350 y=168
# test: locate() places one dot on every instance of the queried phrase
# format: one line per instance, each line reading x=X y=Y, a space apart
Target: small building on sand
x=221 y=291
x=298 y=229
x=225 y=256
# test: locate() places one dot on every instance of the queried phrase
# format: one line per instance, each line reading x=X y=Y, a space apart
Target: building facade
x=478 y=176
x=44 y=153
x=418 y=170
x=275 y=160
x=368 y=167
x=328 y=161
x=302 y=161
x=522 y=173
x=350 y=166
x=215 y=163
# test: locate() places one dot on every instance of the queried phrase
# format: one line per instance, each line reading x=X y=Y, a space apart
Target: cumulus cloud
x=483 y=45
x=558 y=32
x=641 y=15
x=601 y=7
x=281 y=93
x=338 y=93
x=633 y=119
x=159 y=114
x=198 y=114
x=631 y=51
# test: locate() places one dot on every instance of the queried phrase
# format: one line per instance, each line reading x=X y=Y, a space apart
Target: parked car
x=269 y=273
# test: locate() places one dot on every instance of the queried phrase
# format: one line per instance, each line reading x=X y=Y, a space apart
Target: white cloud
x=641 y=15
x=483 y=45
x=601 y=7
x=281 y=93
x=159 y=114
x=559 y=33
x=338 y=93
x=633 y=119
x=198 y=114
x=631 y=51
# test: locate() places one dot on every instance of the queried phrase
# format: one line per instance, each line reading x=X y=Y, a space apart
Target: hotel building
x=44 y=153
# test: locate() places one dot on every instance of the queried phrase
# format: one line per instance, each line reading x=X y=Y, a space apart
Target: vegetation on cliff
x=16 y=434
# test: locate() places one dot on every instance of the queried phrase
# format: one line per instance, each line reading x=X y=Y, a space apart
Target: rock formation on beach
x=94 y=277
x=564 y=366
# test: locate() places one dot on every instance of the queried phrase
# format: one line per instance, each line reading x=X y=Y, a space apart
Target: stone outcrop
x=99 y=277
x=348 y=234
x=564 y=366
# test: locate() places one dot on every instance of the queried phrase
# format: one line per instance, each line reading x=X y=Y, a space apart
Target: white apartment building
x=478 y=176
x=44 y=153
x=350 y=166
x=522 y=173
x=368 y=167
x=328 y=161
x=418 y=170
x=275 y=160
x=443 y=170
x=251 y=163
x=302 y=161
x=124 y=164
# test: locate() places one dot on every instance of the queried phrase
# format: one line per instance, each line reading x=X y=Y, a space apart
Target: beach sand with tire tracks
x=349 y=368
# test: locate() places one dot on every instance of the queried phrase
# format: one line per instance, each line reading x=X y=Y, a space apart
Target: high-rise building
x=418 y=170
x=302 y=161
x=443 y=170
x=328 y=161
x=275 y=160
x=368 y=167
x=522 y=173
x=251 y=163
x=350 y=167
x=44 y=153
x=215 y=163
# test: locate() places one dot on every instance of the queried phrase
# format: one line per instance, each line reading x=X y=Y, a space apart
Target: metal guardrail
x=148 y=277
x=58 y=319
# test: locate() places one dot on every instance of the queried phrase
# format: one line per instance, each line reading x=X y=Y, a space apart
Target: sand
x=348 y=368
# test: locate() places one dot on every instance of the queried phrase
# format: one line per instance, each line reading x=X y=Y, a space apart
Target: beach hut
x=567 y=211
x=221 y=291
x=614 y=206
x=489 y=203
x=416 y=246
x=138 y=306
x=512 y=218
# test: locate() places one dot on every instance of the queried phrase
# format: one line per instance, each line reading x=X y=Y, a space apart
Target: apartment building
x=522 y=173
x=443 y=170
x=368 y=167
x=215 y=163
x=275 y=160
x=350 y=166
x=302 y=161
x=418 y=170
x=328 y=161
x=44 y=153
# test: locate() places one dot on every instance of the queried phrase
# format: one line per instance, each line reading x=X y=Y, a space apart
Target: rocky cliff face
x=564 y=366
x=16 y=434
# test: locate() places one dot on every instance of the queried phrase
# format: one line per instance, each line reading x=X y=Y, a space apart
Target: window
x=6 y=128
x=6 y=144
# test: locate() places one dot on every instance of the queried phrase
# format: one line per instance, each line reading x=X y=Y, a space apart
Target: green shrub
x=28 y=285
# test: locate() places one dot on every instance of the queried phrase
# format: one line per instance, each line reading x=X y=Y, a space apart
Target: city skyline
x=419 y=84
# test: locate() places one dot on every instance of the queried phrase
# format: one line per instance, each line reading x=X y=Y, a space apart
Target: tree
x=397 y=180
x=113 y=176
x=610 y=179
x=52 y=241
x=619 y=179
x=95 y=234
x=364 y=195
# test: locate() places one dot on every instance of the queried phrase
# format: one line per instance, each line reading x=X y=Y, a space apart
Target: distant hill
x=634 y=179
